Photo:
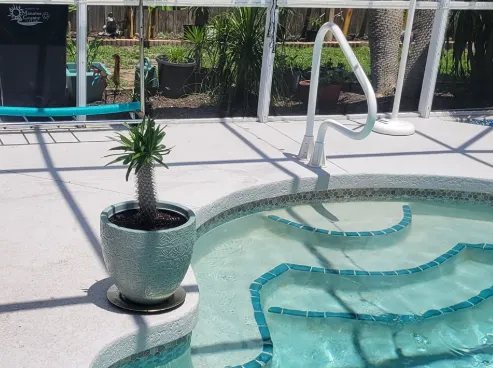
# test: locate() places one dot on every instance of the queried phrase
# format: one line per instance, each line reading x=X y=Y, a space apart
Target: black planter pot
x=175 y=80
x=311 y=35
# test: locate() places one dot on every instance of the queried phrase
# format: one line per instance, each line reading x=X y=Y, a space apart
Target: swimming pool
x=337 y=283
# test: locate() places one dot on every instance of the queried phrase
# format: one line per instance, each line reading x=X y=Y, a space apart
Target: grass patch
x=302 y=56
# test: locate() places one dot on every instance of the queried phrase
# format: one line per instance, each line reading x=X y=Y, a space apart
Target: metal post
x=433 y=59
x=81 y=56
x=265 y=87
x=394 y=126
x=141 y=58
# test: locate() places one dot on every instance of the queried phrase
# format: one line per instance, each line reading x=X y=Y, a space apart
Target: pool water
x=230 y=257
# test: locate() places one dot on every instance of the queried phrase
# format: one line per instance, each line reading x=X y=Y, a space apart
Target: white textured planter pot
x=147 y=266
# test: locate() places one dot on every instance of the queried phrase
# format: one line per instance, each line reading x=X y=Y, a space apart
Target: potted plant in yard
x=96 y=74
x=147 y=244
x=315 y=24
x=175 y=69
x=330 y=84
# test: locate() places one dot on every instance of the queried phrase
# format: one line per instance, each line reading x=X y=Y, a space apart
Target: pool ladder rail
x=314 y=151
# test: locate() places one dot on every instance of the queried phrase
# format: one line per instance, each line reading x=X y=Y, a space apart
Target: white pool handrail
x=316 y=152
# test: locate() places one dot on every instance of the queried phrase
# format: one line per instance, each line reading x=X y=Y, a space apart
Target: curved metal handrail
x=307 y=146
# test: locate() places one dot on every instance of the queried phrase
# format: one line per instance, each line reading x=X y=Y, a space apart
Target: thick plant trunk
x=418 y=52
x=384 y=31
x=146 y=192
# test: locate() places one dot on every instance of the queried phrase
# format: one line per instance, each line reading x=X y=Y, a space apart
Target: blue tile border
x=403 y=224
x=265 y=356
x=157 y=356
x=390 y=317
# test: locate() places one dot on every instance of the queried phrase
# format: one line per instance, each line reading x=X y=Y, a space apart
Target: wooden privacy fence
x=172 y=22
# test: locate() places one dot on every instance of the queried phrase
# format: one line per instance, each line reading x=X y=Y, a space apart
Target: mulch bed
x=201 y=105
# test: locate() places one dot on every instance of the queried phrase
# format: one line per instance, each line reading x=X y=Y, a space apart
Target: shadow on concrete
x=96 y=295
x=98 y=292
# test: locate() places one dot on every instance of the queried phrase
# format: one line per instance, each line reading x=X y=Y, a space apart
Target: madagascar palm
x=384 y=30
x=140 y=151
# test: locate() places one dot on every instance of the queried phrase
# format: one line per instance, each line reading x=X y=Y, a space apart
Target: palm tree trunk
x=384 y=30
x=418 y=52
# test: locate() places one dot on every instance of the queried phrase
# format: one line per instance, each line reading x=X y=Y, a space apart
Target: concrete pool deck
x=54 y=184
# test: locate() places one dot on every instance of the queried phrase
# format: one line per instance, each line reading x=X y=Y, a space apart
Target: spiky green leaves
x=142 y=146
x=140 y=151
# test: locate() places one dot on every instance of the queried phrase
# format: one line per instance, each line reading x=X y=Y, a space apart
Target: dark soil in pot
x=131 y=219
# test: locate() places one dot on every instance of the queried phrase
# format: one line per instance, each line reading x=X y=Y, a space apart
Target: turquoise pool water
x=230 y=257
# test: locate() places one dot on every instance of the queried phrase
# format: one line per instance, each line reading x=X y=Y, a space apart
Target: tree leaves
x=144 y=145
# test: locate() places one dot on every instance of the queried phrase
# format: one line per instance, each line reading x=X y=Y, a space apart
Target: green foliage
x=330 y=74
x=197 y=36
x=144 y=145
x=235 y=52
x=472 y=51
x=140 y=151
x=283 y=29
x=93 y=48
x=178 y=55
x=317 y=22
x=150 y=85
x=294 y=57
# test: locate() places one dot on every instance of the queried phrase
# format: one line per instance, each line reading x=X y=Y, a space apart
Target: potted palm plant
x=175 y=69
x=147 y=244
